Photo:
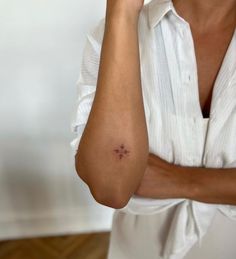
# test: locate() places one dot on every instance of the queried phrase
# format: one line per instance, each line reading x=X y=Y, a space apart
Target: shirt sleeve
x=86 y=83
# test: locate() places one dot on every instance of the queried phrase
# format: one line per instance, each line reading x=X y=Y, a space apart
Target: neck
x=207 y=14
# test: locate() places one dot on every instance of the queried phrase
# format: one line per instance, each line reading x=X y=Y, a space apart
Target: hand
x=161 y=180
x=131 y=7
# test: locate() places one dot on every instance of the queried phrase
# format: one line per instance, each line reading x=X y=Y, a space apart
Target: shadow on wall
x=40 y=49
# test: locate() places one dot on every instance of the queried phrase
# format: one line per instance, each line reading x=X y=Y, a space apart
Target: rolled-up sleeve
x=87 y=81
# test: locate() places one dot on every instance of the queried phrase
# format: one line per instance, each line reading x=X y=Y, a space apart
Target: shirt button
x=182 y=31
x=186 y=77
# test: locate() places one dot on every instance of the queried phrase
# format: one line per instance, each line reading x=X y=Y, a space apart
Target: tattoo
x=121 y=151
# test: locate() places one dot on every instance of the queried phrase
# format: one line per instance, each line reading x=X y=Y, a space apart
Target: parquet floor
x=83 y=246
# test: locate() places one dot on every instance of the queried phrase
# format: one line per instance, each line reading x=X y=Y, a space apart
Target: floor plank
x=83 y=246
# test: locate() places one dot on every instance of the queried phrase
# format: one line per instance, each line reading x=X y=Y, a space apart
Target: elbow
x=114 y=199
x=106 y=194
x=79 y=168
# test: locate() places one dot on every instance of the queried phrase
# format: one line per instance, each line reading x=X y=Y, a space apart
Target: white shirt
x=177 y=132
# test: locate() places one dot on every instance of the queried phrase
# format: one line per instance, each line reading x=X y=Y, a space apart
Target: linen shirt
x=177 y=131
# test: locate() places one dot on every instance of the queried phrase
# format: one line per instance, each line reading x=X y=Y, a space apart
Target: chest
x=210 y=50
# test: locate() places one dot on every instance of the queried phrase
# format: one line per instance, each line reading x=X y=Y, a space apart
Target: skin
x=163 y=180
x=208 y=19
x=117 y=114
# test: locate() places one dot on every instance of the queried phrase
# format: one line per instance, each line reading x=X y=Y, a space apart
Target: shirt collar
x=157 y=10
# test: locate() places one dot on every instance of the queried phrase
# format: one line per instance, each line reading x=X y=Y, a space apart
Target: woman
x=156 y=120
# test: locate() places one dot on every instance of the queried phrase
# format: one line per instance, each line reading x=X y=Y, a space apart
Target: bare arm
x=209 y=185
x=113 y=150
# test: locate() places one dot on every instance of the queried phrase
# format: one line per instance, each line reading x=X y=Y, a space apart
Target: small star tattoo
x=121 y=151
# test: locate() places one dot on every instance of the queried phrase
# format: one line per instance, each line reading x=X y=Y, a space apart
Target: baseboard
x=74 y=221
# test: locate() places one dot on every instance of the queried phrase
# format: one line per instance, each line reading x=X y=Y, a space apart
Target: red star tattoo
x=121 y=151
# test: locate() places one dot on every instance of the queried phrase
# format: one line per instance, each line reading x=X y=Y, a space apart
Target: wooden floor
x=83 y=246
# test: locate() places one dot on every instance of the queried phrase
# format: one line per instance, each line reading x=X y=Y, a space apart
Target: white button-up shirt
x=177 y=132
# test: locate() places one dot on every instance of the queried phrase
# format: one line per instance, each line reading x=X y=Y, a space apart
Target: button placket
x=188 y=70
x=197 y=129
x=184 y=65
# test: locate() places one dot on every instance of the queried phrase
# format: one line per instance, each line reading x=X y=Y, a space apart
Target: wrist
x=186 y=182
x=120 y=11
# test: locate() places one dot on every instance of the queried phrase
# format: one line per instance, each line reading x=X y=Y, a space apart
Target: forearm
x=117 y=115
x=164 y=180
x=210 y=185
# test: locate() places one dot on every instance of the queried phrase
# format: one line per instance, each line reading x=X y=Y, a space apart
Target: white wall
x=41 y=44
